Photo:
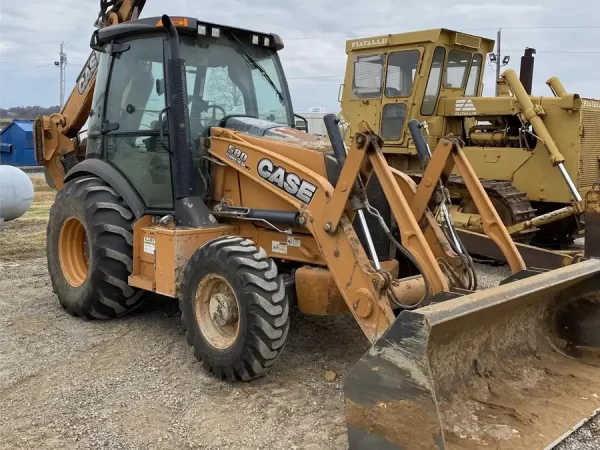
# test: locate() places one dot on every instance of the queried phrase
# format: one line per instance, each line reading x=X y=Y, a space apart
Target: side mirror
x=301 y=124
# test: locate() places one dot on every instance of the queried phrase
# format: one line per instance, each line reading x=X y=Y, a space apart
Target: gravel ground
x=133 y=383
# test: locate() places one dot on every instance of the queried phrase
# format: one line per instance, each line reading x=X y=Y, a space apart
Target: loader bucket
x=512 y=367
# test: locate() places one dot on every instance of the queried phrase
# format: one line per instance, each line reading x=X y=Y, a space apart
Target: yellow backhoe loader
x=537 y=156
x=239 y=217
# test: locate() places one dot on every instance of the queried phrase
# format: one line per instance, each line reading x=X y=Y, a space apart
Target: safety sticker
x=149 y=245
x=279 y=247
x=293 y=242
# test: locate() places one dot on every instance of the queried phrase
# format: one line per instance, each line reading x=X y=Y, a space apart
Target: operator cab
x=229 y=72
x=386 y=76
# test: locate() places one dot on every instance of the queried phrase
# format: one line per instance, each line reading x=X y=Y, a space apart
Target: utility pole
x=496 y=58
x=498 y=54
x=62 y=64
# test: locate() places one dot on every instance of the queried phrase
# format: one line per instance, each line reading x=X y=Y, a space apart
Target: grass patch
x=39 y=183
x=16 y=246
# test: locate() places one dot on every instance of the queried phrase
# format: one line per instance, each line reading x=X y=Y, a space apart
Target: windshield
x=458 y=63
x=219 y=75
x=220 y=82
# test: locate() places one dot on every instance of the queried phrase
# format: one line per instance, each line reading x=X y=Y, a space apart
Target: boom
x=56 y=137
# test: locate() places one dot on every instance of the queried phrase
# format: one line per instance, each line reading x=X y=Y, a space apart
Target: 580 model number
x=286 y=181
x=236 y=155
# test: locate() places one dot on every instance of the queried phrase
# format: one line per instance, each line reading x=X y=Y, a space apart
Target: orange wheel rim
x=72 y=252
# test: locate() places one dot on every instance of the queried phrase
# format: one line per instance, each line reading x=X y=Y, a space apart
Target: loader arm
x=323 y=211
x=56 y=136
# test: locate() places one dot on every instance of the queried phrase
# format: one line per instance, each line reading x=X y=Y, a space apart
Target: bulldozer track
x=511 y=198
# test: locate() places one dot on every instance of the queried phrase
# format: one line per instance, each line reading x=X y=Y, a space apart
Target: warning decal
x=149 y=245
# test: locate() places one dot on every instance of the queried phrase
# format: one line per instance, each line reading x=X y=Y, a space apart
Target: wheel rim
x=217 y=311
x=73 y=252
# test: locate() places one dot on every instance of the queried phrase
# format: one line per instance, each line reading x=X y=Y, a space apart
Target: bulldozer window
x=401 y=71
x=433 y=83
x=368 y=76
x=456 y=71
x=392 y=121
x=473 y=82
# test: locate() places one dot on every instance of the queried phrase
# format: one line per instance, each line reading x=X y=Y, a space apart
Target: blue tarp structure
x=16 y=144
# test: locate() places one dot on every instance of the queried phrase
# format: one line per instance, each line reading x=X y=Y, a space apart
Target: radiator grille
x=589 y=165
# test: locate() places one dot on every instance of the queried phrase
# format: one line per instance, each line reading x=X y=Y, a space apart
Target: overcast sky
x=566 y=35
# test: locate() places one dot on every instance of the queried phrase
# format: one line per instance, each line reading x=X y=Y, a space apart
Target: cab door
x=363 y=90
x=402 y=68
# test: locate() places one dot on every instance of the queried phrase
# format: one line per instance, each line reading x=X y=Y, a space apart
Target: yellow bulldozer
x=537 y=156
x=239 y=216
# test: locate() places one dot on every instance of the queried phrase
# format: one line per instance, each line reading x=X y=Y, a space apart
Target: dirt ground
x=133 y=383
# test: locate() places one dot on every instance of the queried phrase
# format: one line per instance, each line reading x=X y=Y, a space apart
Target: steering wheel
x=214 y=107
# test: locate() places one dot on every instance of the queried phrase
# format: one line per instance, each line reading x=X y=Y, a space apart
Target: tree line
x=27 y=112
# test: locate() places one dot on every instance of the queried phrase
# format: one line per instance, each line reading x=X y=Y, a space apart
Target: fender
x=114 y=178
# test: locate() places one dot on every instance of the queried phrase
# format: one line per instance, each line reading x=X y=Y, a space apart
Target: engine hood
x=276 y=131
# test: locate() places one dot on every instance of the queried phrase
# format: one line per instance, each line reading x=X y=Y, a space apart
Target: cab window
x=401 y=71
x=473 y=81
x=456 y=70
x=220 y=82
x=433 y=83
x=392 y=121
x=368 y=76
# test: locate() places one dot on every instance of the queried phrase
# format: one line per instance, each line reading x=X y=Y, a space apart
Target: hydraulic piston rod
x=531 y=114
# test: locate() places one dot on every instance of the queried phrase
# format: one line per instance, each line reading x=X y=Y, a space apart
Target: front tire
x=235 y=310
x=90 y=250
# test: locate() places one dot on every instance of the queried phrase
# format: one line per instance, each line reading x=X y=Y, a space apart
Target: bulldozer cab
x=391 y=79
x=229 y=72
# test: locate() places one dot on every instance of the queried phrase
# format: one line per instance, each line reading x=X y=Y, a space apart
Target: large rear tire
x=90 y=250
x=234 y=307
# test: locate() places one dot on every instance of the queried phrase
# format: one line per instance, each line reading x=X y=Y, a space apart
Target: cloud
x=314 y=33
x=484 y=9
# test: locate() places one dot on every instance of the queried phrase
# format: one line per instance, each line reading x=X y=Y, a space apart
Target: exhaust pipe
x=190 y=209
x=526 y=73
x=177 y=115
x=512 y=367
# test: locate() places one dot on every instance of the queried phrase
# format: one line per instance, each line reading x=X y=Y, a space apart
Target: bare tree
x=220 y=89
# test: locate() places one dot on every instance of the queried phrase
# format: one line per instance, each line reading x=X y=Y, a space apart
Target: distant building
x=314 y=119
x=16 y=144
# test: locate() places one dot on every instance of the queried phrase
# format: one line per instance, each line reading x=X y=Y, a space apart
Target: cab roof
x=188 y=26
x=441 y=35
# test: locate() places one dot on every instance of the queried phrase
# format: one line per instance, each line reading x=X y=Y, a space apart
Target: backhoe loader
x=239 y=218
x=537 y=156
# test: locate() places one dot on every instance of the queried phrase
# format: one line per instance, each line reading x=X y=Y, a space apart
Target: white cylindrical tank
x=16 y=193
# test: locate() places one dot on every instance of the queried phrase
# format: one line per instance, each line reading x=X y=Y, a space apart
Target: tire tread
x=268 y=309
x=112 y=296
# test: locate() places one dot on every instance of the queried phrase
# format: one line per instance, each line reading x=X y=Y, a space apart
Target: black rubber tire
x=108 y=224
x=262 y=301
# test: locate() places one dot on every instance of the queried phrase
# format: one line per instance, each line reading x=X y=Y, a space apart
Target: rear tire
x=90 y=250
x=234 y=308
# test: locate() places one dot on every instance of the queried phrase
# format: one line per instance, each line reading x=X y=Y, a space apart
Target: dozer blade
x=512 y=367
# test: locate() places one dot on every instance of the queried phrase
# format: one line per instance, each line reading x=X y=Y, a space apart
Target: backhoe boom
x=56 y=136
